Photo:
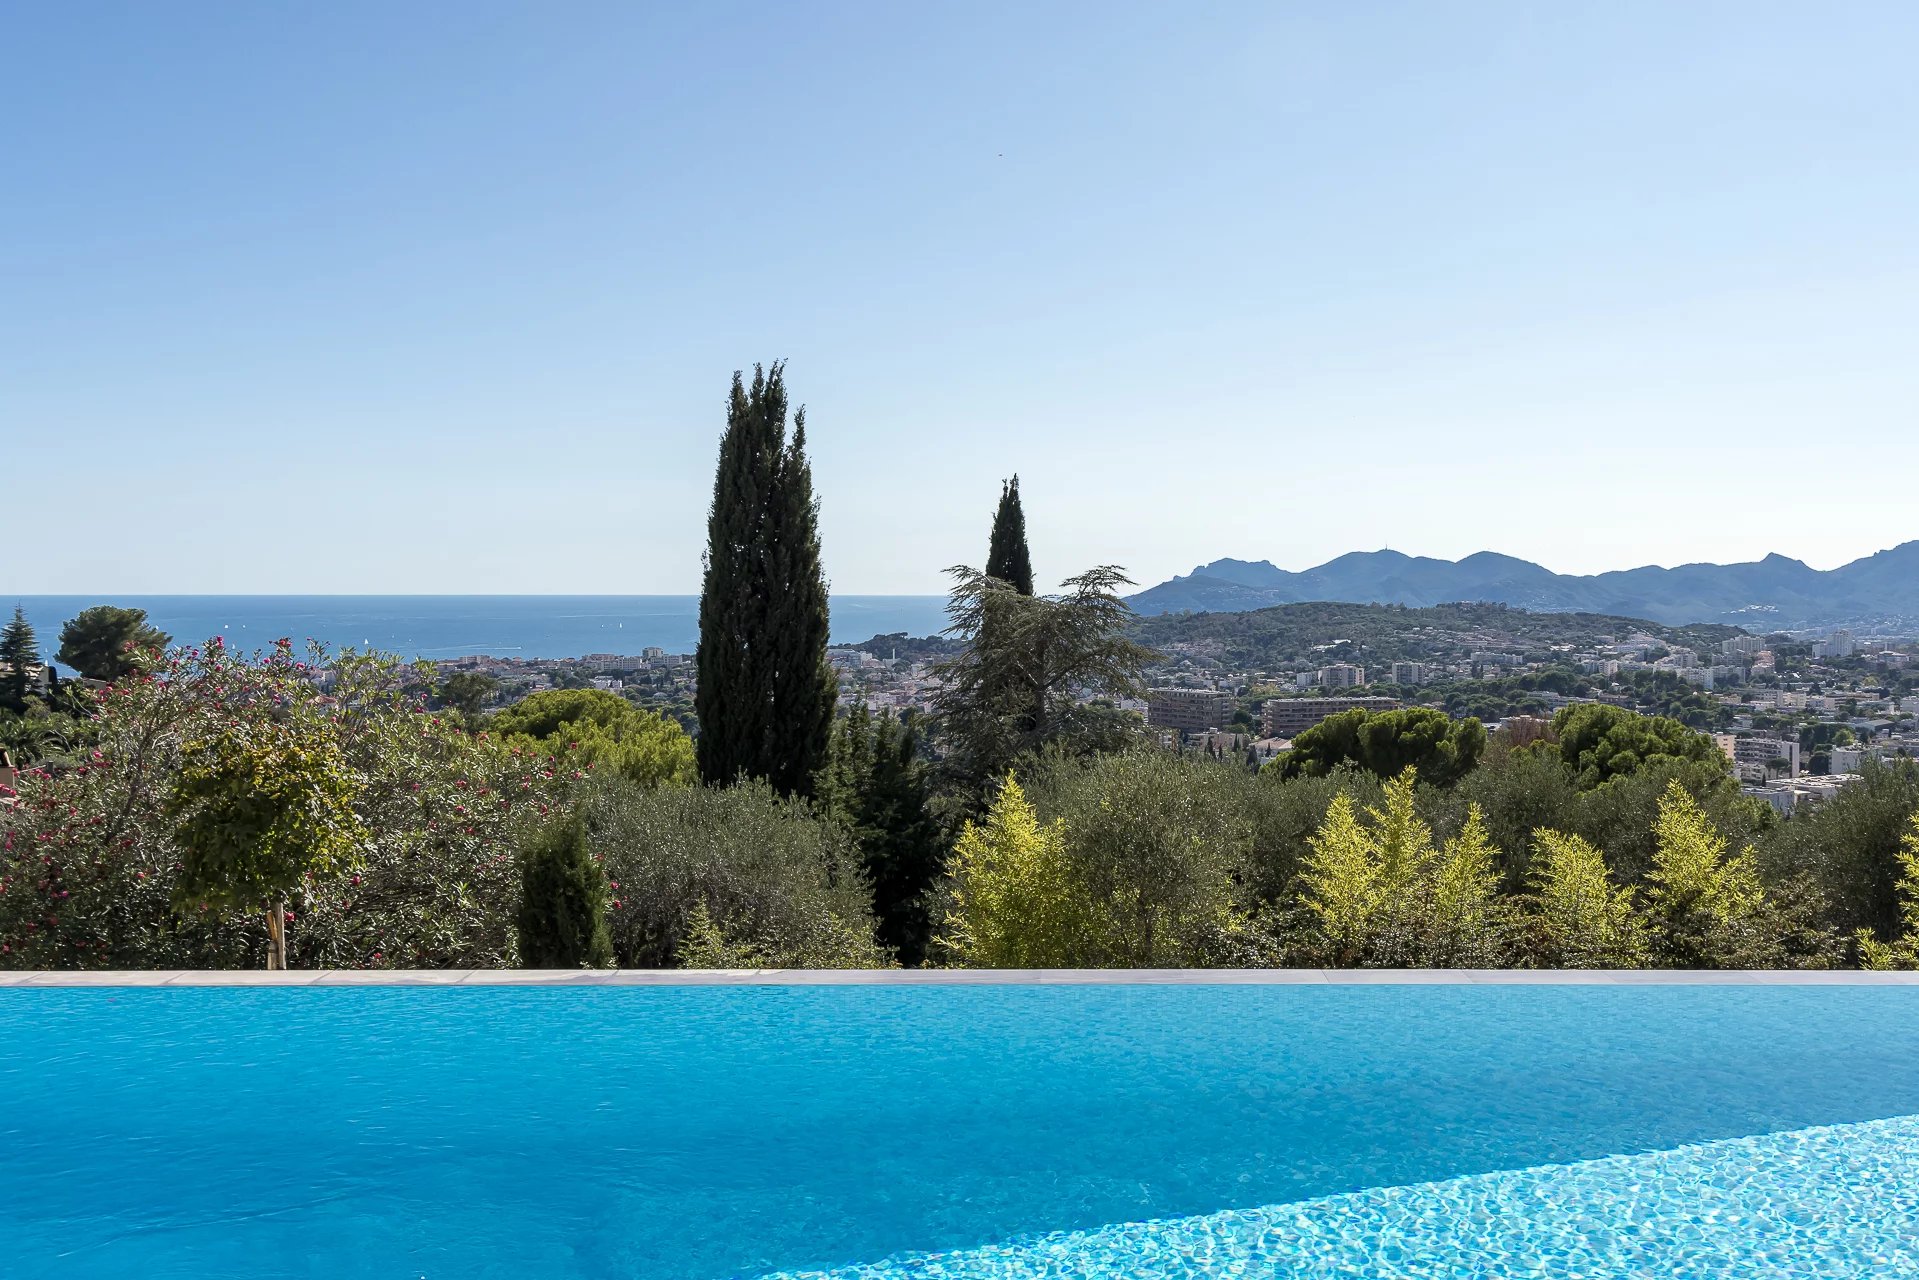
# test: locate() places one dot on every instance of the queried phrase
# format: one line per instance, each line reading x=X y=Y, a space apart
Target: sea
x=443 y=627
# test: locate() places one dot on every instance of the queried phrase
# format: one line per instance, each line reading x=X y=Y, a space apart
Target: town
x=1796 y=716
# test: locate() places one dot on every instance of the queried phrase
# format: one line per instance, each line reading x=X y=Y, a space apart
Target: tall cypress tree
x=766 y=693
x=19 y=650
x=1007 y=558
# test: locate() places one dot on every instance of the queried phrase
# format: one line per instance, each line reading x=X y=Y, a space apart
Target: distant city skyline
x=444 y=298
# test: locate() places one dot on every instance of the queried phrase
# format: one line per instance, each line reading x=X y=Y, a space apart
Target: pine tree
x=562 y=922
x=20 y=653
x=875 y=783
x=1007 y=557
x=766 y=694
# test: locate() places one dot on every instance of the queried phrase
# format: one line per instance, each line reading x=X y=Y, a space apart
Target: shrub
x=768 y=873
x=562 y=917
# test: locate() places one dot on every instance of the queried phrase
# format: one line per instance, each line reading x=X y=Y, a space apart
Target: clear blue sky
x=414 y=297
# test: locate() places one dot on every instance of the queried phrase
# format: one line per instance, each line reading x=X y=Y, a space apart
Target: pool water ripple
x=1838 y=1202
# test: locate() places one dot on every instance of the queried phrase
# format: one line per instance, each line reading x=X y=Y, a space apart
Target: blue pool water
x=961 y=1131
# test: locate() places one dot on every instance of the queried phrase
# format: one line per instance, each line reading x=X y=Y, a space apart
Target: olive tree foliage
x=1037 y=671
x=90 y=857
x=1156 y=845
x=696 y=874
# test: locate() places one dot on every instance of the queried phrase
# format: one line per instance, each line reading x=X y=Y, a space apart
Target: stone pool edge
x=947 y=977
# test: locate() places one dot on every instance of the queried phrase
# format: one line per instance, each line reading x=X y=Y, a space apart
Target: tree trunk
x=277 y=936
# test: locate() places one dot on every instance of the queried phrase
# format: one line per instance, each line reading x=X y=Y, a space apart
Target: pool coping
x=947 y=977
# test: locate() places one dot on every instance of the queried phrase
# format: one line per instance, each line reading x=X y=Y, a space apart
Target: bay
x=457 y=626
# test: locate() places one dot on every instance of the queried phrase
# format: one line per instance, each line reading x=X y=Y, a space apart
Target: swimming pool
x=695 y=1132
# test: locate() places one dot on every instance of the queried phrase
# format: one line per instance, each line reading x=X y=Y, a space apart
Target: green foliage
x=1703 y=905
x=19 y=654
x=766 y=694
x=563 y=898
x=1387 y=743
x=1016 y=903
x=1603 y=742
x=1518 y=791
x=1284 y=635
x=1007 y=558
x=1380 y=892
x=1851 y=847
x=1902 y=952
x=90 y=857
x=1021 y=684
x=772 y=876
x=598 y=730
x=468 y=692
x=261 y=805
x=1621 y=816
x=1154 y=844
x=1581 y=920
x=875 y=784
x=107 y=643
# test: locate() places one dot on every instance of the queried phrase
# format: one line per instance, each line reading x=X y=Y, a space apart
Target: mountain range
x=1878 y=594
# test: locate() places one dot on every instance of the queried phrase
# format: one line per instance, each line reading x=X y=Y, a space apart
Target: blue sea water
x=457 y=626
x=690 y=1133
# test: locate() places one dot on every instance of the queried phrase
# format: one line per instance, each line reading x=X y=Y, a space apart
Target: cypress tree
x=766 y=694
x=1007 y=557
x=562 y=923
x=19 y=650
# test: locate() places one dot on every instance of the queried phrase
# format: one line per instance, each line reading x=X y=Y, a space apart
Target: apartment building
x=1753 y=756
x=1288 y=717
x=1189 y=710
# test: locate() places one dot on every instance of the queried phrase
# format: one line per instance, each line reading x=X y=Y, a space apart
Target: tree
x=1382 y=892
x=261 y=806
x=1007 y=557
x=20 y=655
x=1036 y=671
x=1602 y=742
x=563 y=897
x=1580 y=918
x=1387 y=743
x=106 y=643
x=766 y=694
x=468 y=692
x=772 y=876
x=876 y=785
x=1852 y=846
x=1705 y=906
x=598 y=729
x=1016 y=903
x=1903 y=951
x=1154 y=843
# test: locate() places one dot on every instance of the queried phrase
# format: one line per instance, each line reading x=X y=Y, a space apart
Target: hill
x=1293 y=634
x=1878 y=594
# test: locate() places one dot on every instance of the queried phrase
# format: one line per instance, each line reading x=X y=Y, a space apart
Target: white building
x=1837 y=645
x=1754 y=757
